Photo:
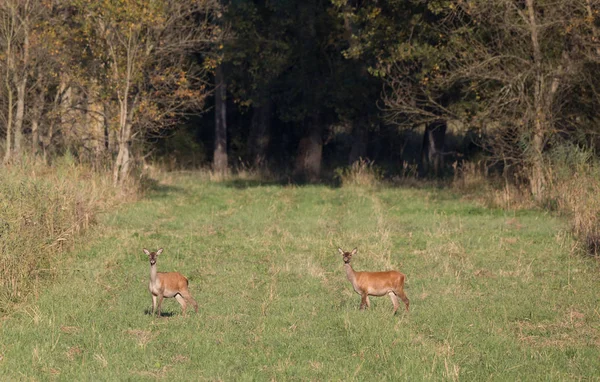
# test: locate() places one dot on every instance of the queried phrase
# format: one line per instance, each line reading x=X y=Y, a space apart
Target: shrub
x=574 y=189
x=362 y=173
x=42 y=211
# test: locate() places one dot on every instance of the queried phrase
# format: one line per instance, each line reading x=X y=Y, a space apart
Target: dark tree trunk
x=260 y=129
x=432 y=151
x=310 y=152
x=360 y=139
x=220 y=153
x=20 y=116
x=36 y=116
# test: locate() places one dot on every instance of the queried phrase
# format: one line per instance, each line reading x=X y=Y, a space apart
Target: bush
x=42 y=211
x=574 y=189
x=362 y=173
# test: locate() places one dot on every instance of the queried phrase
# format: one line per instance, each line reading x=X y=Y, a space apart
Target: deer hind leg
x=186 y=294
x=181 y=302
x=394 y=299
x=403 y=297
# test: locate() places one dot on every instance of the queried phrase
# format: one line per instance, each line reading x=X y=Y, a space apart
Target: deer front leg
x=153 y=304
x=160 y=299
x=364 y=301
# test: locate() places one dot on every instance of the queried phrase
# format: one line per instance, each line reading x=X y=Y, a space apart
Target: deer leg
x=186 y=294
x=403 y=297
x=363 y=301
x=394 y=301
x=368 y=302
x=153 y=304
x=181 y=302
x=160 y=299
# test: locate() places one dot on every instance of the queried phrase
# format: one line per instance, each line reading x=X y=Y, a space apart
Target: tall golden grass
x=572 y=189
x=43 y=211
x=362 y=173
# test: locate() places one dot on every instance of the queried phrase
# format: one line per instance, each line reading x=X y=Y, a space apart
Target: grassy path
x=494 y=295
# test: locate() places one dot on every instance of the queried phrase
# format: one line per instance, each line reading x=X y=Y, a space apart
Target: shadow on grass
x=252 y=183
x=157 y=190
x=148 y=312
x=282 y=181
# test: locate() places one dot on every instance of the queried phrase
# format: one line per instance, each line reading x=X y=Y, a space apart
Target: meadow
x=495 y=294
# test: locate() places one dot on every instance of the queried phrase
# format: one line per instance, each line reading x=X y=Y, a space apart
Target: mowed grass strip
x=494 y=295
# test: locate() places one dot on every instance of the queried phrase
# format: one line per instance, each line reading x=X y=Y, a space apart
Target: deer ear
x=340 y=250
x=354 y=251
x=146 y=251
x=159 y=251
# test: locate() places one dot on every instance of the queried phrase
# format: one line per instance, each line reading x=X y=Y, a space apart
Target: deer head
x=347 y=255
x=153 y=255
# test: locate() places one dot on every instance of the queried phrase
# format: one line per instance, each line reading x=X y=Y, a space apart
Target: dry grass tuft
x=572 y=189
x=73 y=352
x=474 y=180
x=143 y=337
x=43 y=210
x=362 y=173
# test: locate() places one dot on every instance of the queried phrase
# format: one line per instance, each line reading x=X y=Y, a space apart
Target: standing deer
x=167 y=284
x=375 y=283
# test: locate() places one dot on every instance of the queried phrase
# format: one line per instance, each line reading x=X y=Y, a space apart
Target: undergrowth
x=43 y=211
x=572 y=176
x=362 y=173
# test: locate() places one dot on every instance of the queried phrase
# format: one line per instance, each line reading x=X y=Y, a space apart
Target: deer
x=375 y=283
x=167 y=284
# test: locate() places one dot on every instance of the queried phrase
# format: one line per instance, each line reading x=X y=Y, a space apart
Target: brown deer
x=375 y=283
x=167 y=284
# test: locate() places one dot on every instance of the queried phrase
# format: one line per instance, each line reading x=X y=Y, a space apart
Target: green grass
x=494 y=295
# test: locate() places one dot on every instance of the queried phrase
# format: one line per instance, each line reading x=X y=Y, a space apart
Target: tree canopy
x=306 y=85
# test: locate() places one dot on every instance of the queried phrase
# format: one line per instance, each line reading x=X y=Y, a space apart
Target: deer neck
x=153 y=273
x=350 y=274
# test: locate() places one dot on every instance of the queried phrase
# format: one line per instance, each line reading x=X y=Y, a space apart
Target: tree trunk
x=65 y=104
x=432 y=150
x=360 y=137
x=540 y=118
x=123 y=162
x=21 y=84
x=19 y=115
x=258 y=140
x=95 y=123
x=9 y=122
x=220 y=153
x=310 y=152
x=37 y=110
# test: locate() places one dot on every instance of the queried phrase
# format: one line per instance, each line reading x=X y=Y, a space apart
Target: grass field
x=495 y=295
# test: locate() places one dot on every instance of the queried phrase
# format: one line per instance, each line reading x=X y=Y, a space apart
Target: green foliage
x=494 y=295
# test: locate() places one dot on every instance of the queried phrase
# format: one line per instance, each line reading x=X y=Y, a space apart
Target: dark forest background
x=301 y=88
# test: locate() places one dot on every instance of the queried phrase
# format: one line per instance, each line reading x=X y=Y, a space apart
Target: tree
x=506 y=64
x=16 y=23
x=143 y=50
x=258 y=52
x=522 y=60
x=220 y=152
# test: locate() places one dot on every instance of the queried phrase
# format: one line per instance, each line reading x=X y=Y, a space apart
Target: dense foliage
x=303 y=85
